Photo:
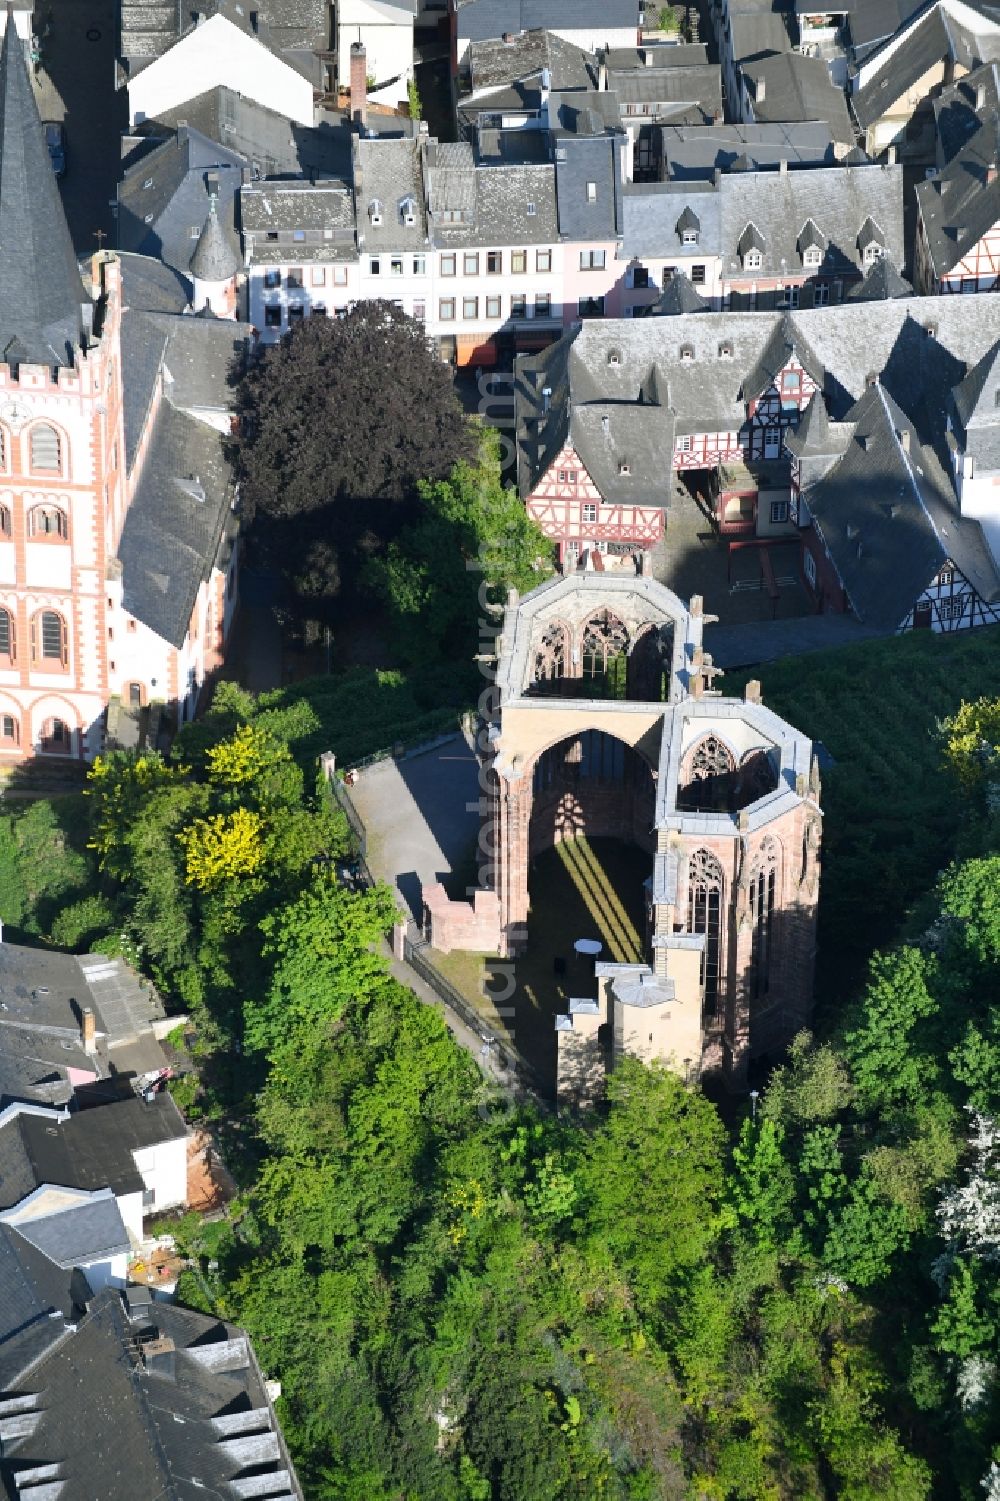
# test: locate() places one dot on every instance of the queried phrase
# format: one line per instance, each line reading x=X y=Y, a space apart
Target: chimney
x=602 y=76
x=647 y=56
x=991 y=173
x=158 y=1356
x=751 y=693
x=871 y=379
x=783 y=166
x=904 y=439
x=980 y=98
x=890 y=156
x=760 y=91
x=546 y=397
x=359 y=84
x=88 y=1030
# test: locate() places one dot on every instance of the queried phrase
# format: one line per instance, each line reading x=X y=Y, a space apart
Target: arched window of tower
x=605 y=654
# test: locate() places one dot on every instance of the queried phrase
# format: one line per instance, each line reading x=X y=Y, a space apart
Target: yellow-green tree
x=225 y=847
x=972 y=741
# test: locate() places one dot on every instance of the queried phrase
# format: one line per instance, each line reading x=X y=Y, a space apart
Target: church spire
x=41 y=288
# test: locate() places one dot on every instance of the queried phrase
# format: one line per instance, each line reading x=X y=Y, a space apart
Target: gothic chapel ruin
x=608 y=725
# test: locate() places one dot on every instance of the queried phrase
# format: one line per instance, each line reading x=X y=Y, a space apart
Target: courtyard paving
x=419 y=827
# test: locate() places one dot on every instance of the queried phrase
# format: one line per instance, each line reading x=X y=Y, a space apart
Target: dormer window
x=592 y=192
x=624 y=468
x=750 y=248
x=408 y=212
x=375 y=212
x=812 y=256
x=532 y=210
x=687 y=354
x=615 y=357
x=688 y=227
x=725 y=351
x=873 y=253
x=689 y=237
x=753 y=260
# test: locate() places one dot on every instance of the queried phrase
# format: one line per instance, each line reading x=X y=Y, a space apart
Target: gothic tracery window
x=705 y=916
x=550 y=658
x=709 y=780
x=605 y=652
x=763 y=880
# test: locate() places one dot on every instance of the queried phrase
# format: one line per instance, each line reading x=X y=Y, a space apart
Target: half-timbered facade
x=570 y=509
x=799 y=425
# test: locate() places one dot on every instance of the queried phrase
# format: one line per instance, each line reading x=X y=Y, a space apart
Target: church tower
x=62 y=489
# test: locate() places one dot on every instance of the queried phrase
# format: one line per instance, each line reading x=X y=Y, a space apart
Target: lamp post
x=754 y=1097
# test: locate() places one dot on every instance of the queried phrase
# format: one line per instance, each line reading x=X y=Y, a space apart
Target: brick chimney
x=88 y=1030
x=991 y=173
x=760 y=90
x=359 y=84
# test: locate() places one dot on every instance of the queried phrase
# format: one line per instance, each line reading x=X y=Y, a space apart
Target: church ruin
x=608 y=724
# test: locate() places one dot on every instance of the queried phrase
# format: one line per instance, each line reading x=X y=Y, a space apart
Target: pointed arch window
x=46 y=448
x=763 y=881
x=550 y=658
x=605 y=653
x=705 y=916
x=710 y=774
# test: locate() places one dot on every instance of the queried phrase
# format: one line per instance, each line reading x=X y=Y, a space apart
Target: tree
x=888 y=1065
x=972 y=742
x=342 y=419
x=474 y=530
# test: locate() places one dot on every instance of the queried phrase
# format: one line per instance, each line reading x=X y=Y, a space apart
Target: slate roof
x=955 y=111
x=698 y=151
x=888 y=518
x=478 y=20
x=784 y=341
x=505 y=198
x=494 y=63
x=176 y=525
x=760 y=34
x=975 y=403
x=880 y=281
x=163 y=199
x=269 y=144
x=214 y=258
x=679 y=296
x=77 y=1233
x=293 y=30
x=651 y=213
x=872 y=22
x=798 y=88
x=960 y=204
x=700 y=367
x=839 y=200
x=194 y=1421
x=41 y=289
x=578 y=162
x=388 y=172
x=668 y=88
x=42 y=994
x=88 y=1150
x=926 y=44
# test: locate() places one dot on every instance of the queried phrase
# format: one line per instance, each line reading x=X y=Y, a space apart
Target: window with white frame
x=340 y=276
x=589 y=511
x=470 y=263
x=952 y=609
x=447 y=265
x=753 y=260
x=470 y=307
x=317 y=276
x=420 y=265
x=543 y=260
x=779 y=512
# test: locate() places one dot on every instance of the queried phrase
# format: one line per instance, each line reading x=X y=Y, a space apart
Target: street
x=75 y=82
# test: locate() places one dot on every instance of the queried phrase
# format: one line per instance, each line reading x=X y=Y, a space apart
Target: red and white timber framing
x=569 y=508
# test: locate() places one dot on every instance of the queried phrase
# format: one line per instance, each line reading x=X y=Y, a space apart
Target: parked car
x=55 y=140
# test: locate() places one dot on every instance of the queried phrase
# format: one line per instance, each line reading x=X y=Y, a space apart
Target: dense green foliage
x=473 y=531
x=891 y=818
x=470 y=1299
